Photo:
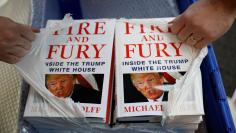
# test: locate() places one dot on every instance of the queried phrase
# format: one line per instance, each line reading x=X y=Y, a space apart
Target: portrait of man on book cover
x=148 y=87
x=83 y=88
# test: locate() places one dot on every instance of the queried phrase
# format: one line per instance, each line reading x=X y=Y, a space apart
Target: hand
x=203 y=22
x=15 y=40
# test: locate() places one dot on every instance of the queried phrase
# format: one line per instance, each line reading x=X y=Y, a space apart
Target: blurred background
x=225 y=50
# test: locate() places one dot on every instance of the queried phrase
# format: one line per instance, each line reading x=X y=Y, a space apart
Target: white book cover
x=41 y=114
x=149 y=60
x=36 y=106
x=71 y=67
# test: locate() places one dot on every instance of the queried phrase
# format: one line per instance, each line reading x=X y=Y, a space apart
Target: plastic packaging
x=185 y=88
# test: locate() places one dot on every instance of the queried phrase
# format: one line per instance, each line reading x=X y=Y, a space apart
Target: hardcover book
x=71 y=68
x=73 y=64
x=150 y=61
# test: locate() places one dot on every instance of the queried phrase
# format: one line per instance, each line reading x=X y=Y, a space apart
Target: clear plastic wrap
x=59 y=112
x=188 y=88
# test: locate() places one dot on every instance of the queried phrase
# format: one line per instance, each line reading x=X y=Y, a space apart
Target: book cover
x=89 y=48
x=42 y=115
x=150 y=60
x=71 y=66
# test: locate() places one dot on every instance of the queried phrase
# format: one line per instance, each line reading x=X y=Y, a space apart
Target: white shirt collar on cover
x=157 y=100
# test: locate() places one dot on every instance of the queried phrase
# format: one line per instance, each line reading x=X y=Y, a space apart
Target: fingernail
x=35 y=30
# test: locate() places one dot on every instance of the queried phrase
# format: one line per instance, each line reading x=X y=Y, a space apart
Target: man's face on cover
x=148 y=83
x=60 y=85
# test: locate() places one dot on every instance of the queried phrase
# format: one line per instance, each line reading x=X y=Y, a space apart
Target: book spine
x=110 y=90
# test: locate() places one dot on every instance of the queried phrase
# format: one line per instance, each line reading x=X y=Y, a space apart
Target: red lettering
x=177 y=49
x=55 y=32
x=99 y=25
x=143 y=108
x=152 y=49
x=141 y=28
x=88 y=109
x=77 y=39
x=163 y=50
x=137 y=108
x=83 y=27
x=69 y=31
x=153 y=27
x=144 y=38
x=147 y=51
x=82 y=51
x=76 y=51
x=128 y=27
x=98 y=109
x=52 y=49
x=69 y=40
x=63 y=51
x=97 y=55
x=128 y=50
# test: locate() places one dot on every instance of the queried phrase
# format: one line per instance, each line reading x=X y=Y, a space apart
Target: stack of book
x=149 y=62
x=77 y=70
x=154 y=62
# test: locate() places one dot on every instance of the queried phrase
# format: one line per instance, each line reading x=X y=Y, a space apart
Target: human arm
x=204 y=21
x=15 y=40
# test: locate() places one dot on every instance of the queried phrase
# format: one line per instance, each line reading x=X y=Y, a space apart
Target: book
x=75 y=63
x=71 y=66
x=45 y=118
x=150 y=61
x=43 y=115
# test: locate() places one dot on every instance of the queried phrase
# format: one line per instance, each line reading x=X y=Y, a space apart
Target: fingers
x=24 y=43
x=193 y=39
x=202 y=43
x=17 y=51
x=9 y=58
x=26 y=32
x=12 y=59
x=15 y=40
x=184 y=33
x=13 y=55
x=201 y=23
x=177 y=25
